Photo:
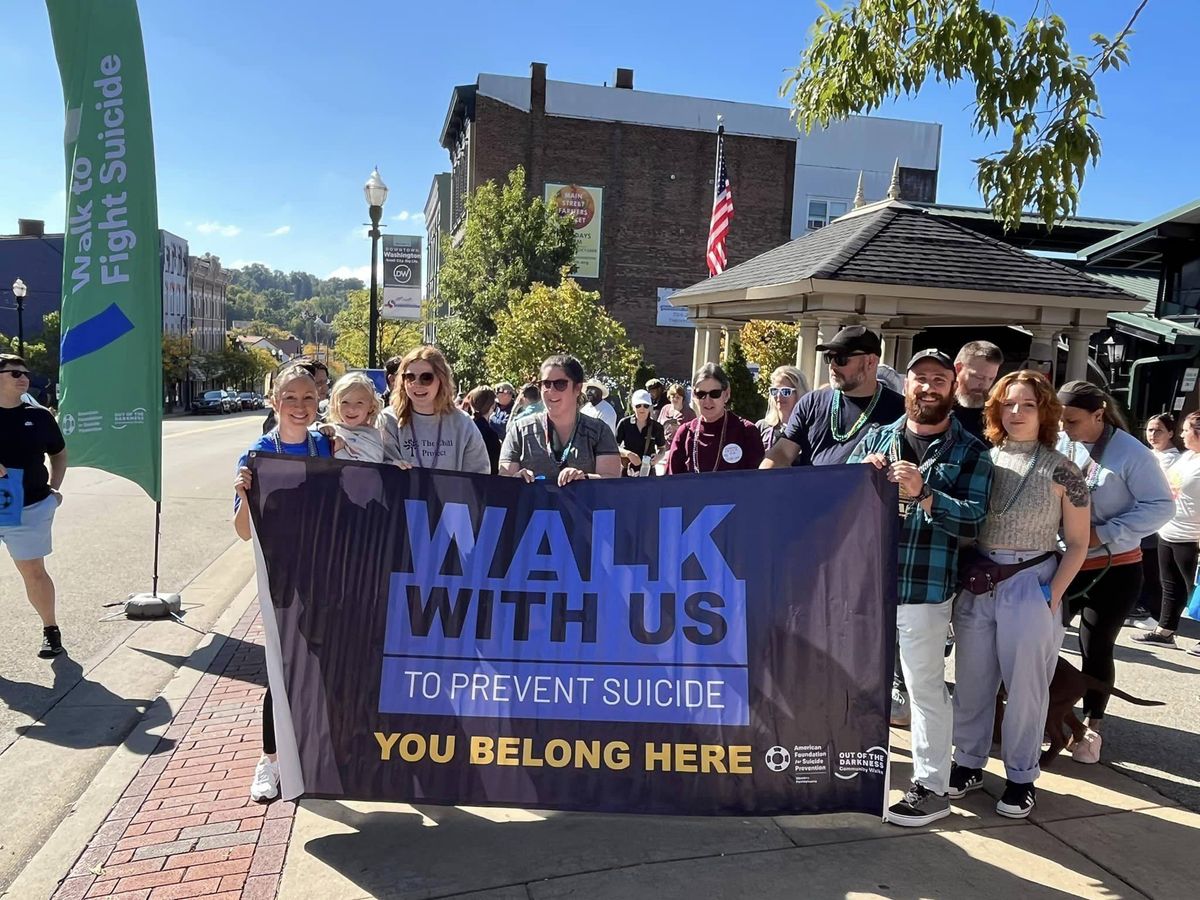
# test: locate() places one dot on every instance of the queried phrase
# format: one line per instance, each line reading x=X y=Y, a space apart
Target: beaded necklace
x=696 y=443
x=277 y=442
x=560 y=458
x=1003 y=511
x=1092 y=472
x=835 y=415
x=896 y=453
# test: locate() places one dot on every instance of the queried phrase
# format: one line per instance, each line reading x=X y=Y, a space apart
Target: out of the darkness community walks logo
x=814 y=763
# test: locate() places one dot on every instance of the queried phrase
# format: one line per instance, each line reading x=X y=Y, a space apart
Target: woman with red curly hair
x=1008 y=621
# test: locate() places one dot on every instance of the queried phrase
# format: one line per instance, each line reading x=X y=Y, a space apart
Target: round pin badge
x=732 y=453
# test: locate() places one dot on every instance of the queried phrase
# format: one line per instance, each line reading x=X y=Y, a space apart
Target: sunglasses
x=555 y=384
x=704 y=395
x=840 y=359
x=425 y=378
x=782 y=392
x=16 y=373
x=641 y=406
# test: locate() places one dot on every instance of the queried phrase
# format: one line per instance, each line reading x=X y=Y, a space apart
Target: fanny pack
x=980 y=575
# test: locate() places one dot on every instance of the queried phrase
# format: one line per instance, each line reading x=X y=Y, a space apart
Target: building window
x=823 y=211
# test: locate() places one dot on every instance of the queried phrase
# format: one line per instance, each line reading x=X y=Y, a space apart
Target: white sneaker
x=901 y=715
x=265 y=785
x=1146 y=624
x=1088 y=750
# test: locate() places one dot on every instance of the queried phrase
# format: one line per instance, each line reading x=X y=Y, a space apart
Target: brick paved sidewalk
x=185 y=826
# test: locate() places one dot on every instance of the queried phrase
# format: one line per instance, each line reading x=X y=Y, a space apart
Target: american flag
x=722 y=212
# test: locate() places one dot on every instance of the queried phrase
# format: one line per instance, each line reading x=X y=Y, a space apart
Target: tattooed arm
x=1072 y=490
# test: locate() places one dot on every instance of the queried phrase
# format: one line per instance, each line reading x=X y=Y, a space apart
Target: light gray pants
x=1010 y=635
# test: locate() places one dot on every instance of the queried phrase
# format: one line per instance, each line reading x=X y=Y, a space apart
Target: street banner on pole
x=110 y=407
x=700 y=645
x=401 y=277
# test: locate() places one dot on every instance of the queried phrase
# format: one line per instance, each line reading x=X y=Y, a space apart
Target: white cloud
x=405 y=216
x=360 y=272
x=280 y=231
x=401 y=216
x=218 y=228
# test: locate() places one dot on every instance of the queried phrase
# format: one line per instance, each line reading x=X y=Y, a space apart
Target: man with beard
x=975 y=368
x=945 y=476
x=828 y=423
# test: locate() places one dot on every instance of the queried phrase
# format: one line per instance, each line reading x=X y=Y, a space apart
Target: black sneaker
x=964 y=779
x=1017 y=801
x=1155 y=637
x=51 y=642
x=920 y=806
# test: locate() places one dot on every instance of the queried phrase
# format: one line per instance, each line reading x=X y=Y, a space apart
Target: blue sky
x=269 y=116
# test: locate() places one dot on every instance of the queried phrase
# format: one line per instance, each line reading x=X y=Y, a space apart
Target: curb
x=53 y=862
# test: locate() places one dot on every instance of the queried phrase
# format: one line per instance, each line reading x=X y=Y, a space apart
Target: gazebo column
x=712 y=345
x=828 y=326
x=1077 y=353
x=733 y=335
x=806 y=346
x=1043 y=349
x=699 y=348
x=904 y=348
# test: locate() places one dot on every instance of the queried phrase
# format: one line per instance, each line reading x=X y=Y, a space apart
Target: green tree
x=770 y=344
x=744 y=396
x=352 y=326
x=511 y=241
x=1030 y=88
x=40 y=354
x=563 y=319
x=176 y=361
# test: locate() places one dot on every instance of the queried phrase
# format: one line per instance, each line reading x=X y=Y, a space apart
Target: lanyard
x=437 y=446
x=277 y=442
x=560 y=458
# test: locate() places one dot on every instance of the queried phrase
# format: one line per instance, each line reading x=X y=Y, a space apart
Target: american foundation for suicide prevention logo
x=778 y=759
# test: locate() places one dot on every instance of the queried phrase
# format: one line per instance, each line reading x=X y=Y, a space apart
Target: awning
x=1149 y=328
x=196 y=374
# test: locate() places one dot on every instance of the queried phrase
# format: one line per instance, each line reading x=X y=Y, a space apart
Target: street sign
x=671 y=316
x=1189 y=380
x=401 y=277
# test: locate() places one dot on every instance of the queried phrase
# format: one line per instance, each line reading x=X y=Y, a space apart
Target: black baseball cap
x=854 y=338
x=936 y=355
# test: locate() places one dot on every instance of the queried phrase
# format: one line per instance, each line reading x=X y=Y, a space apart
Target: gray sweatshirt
x=449 y=442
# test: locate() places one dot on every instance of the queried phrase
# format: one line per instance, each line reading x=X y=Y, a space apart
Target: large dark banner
x=699 y=644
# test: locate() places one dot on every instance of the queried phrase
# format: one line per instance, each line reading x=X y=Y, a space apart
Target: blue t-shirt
x=266 y=444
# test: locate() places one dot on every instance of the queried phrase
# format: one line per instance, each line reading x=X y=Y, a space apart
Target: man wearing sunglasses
x=827 y=424
x=29 y=494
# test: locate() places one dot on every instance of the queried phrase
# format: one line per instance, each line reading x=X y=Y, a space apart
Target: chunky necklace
x=835 y=416
x=696 y=443
x=277 y=441
x=1003 y=511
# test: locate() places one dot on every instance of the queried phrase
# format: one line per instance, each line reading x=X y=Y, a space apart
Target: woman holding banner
x=718 y=440
x=560 y=444
x=1008 y=620
x=294 y=400
x=423 y=426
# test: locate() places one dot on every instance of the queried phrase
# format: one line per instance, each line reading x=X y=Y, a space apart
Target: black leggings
x=268 y=724
x=1104 y=610
x=1177 y=571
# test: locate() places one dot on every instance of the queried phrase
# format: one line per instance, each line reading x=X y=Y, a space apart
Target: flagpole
x=717 y=163
x=157 y=536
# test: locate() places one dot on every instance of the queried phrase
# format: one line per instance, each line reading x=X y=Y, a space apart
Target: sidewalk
x=186 y=828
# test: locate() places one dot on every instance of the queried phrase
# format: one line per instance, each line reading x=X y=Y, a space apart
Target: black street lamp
x=376 y=193
x=1114 y=353
x=19 y=290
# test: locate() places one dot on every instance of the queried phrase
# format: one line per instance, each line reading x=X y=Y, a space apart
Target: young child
x=353 y=408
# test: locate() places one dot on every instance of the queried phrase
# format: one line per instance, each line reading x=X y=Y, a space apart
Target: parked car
x=235 y=402
x=211 y=402
x=250 y=400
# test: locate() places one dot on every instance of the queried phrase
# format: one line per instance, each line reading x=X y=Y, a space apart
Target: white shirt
x=1184 y=479
x=604 y=412
x=1166 y=458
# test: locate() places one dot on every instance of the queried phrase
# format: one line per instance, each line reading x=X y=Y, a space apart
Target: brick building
x=648 y=161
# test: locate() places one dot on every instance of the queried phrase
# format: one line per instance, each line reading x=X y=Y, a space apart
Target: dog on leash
x=1067 y=688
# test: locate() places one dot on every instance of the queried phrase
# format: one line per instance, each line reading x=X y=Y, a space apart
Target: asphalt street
x=104 y=550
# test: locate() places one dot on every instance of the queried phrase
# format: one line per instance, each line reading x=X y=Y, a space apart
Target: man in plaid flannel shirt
x=945 y=476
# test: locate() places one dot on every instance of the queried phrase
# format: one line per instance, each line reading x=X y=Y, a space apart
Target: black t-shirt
x=641 y=442
x=27 y=434
x=971 y=419
x=915 y=445
x=809 y=425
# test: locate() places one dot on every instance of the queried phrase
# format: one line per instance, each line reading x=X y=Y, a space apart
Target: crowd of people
x=1021 y=509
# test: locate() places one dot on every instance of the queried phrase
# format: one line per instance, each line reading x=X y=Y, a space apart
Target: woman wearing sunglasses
x=560 y=444
x=717 y=441
x=423 y=425
x=788 y=385
x=640 y=438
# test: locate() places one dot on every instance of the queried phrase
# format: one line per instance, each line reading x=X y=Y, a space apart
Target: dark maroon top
x=741 y=449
